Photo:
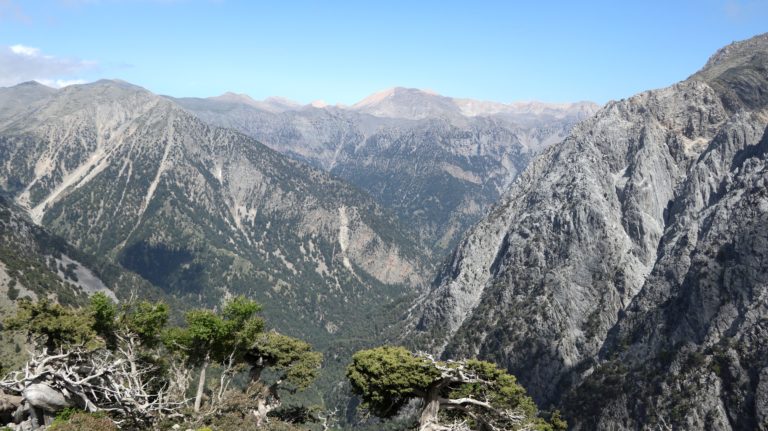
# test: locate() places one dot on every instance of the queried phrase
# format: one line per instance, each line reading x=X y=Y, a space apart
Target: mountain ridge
x=439 y=173
x=399 y=105
x=127 y=174
x=592 y=234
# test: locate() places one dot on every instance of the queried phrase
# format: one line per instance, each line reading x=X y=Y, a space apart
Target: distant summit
x=410 y=103
x=270 y=104
x=437 y=162
x=419 y=104
x=416 y=104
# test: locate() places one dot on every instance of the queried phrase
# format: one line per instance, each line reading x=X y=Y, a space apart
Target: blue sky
x=342 y=51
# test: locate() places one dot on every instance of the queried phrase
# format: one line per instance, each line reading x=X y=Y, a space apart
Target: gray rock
x=623 y=276
x=42 y=396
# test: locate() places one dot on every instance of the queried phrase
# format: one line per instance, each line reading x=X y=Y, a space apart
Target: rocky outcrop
x=9 y=404
x=623 y=275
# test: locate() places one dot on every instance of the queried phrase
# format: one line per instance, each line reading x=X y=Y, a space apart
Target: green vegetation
x=388 y=377
x=294 y=359
x=474 y=392
x=233 y=341
x=209 y=337
x=13 y=291
x=52 y=325
x=131 y=350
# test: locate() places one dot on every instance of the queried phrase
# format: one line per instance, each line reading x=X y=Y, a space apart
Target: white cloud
x=25 y=50
x=19 y=63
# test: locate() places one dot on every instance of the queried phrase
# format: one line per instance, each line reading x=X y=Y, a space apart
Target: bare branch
x=114 y=381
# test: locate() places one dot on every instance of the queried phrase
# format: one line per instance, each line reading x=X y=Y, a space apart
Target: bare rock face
x=623 y=276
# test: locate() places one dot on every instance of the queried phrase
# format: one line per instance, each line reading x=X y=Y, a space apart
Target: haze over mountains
x=438 y=162
x=624 y=275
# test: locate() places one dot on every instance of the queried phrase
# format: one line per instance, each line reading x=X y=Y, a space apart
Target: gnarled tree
x=96 y=358
x=51 y=325
x=294 y=361
x=213 y=338
x=455 y=395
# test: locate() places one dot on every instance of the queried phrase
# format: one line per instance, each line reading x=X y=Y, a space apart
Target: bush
x=65 y=415
x=13 y=291
x=81 y=421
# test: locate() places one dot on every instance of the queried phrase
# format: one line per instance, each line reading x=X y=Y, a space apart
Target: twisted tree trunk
x=429 y=420
x=269 y=400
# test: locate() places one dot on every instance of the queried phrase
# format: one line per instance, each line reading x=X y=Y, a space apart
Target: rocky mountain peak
x=736 y=53
x=390 y=93
x=282 y=103
x=270 y=104
x=235 y=97
x=528 y=110
x=32 y=84
x=102 y=107
x=411 y=103
x=22 y=97
x=104 y=90
x=738 y=73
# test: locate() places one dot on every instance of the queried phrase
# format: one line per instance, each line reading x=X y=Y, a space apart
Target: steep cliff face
x=690 y=350
x=695 y=336
x=613 y=248
x=205 y=212
x=439 y=163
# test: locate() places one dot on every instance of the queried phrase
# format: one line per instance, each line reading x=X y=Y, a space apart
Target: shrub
x=81 y=421
x=13 y=291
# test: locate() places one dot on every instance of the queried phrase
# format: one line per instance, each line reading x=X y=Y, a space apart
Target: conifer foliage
x=123 y=361
x=453 y=395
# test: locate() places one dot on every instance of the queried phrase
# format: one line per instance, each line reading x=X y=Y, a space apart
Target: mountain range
x=199 y=211
x=439 y=163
